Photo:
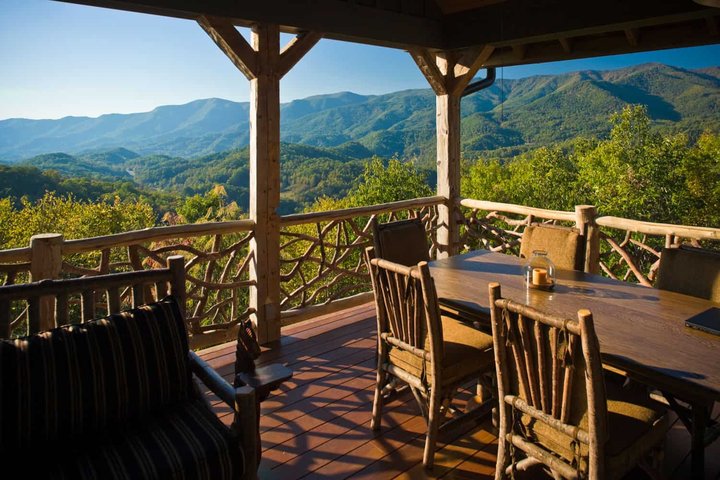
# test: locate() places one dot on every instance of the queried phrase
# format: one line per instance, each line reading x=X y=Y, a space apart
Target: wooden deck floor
x=317 y=425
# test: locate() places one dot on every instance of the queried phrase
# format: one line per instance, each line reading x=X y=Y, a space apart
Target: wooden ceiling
x=520 y=31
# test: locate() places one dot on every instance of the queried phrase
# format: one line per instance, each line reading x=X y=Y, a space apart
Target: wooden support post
x=448 y=74
x=448 y=171
x=46 y=263
x=265 y=184
x=585 y=222
x=264 y=65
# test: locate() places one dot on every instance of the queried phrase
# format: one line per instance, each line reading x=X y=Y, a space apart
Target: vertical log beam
x=265 y=183
x=46 y=263
x=448 y=73
x=264 y=64
x=447 y=121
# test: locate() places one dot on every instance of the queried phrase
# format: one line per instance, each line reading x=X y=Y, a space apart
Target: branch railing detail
x=618 y=248
x=498 y=227
x=322 y=266
x=321 y=255
x=217 y=264
x=630 y=250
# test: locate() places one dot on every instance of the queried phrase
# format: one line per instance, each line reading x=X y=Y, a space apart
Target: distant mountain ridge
x=519 y=113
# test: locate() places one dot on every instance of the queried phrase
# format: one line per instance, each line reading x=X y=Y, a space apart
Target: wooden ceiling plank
x=232 y=43
x=517 y=21
x=676 y=36
x=633 y=36
x=712 y=26
x=566 y=44
x=296 y=50
x=340 y=20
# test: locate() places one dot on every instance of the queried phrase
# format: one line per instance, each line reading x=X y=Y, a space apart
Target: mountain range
x=510 y=116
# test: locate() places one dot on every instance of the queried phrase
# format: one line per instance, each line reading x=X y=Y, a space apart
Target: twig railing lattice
x=498 y=227
x=321 y=254
x=630 y=250
x=216 y=261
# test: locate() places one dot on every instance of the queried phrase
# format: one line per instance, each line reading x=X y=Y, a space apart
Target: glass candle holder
x=539 y=271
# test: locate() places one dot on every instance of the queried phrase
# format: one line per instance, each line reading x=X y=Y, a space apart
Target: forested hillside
x=510 y=116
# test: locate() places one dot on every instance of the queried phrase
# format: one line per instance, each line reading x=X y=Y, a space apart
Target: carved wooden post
x=585 y=221
x=46 y=262
x=448 y=74
x=264 y=64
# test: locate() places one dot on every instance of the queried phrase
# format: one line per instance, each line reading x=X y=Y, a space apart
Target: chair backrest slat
x=407 y=308
x=548 y=369
x=113 y=299
x=88 y=305
x=138 y=294
x=4 y=319
x=23 y=300
x=543 y=367
x=61 y=309
x=34 y=314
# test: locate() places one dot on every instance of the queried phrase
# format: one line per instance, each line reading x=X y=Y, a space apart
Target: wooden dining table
x=641 y=330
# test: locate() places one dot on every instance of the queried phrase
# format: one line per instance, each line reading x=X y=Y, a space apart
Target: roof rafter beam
x=339 y=20
x=232 y=43
x=519 y=21
x=673 y=36
x=450 y=72
x=295 y=50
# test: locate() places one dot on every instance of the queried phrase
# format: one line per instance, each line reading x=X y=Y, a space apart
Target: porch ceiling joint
x=232 y=43
x=296 y=50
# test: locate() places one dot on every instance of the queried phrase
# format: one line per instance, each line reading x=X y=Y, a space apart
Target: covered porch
x=301 y=278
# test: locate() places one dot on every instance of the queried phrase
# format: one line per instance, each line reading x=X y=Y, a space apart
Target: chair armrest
x=243 y=402
x=218 y=385
x=265 y=379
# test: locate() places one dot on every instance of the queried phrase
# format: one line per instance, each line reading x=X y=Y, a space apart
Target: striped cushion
x=185 y=441
x=80 y=379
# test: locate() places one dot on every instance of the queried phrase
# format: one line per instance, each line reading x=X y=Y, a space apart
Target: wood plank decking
x=317 y=425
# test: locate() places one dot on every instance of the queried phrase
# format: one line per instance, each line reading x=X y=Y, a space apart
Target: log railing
x=216 y=261
x=630 y=250
x=619 y=248
x=321 y=255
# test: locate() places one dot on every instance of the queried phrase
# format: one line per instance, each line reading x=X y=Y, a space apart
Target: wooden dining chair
x=432 y=353
x=690 y=271
x=404 y=242
x=555 y=411
x=564 y=246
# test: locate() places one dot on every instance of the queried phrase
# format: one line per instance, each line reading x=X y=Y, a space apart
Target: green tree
x=383 y=184
x=634 y=173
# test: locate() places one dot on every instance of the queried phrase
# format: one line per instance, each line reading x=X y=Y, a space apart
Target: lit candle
x=539 y=276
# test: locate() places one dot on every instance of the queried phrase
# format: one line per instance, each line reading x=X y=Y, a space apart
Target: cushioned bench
x=115 y=398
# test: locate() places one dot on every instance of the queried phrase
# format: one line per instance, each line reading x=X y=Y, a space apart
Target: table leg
x=700 y=415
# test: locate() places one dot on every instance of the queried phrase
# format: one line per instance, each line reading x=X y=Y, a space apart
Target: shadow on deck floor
x=317 y=425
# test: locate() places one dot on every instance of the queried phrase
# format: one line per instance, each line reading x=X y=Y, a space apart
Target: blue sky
x=61 y=59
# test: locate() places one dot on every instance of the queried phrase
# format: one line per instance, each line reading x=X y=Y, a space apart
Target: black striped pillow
x=80 y=379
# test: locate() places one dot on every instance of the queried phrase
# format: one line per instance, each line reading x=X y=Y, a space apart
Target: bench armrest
x=243 y=402
x=212 y=379
x=265 y=379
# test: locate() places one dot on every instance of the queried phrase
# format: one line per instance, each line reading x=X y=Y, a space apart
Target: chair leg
x=378 y=400
x=433 y=425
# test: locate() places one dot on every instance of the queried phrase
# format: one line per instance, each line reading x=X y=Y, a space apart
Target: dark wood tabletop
x=641 y=330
